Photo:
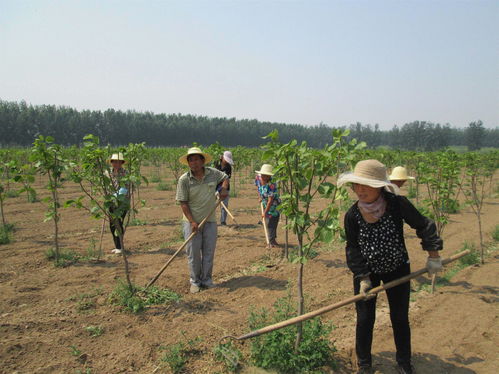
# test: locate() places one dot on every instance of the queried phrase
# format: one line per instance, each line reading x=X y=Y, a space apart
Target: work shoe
x=365 y=370
x=195 y=288
x=116 y=250
x=405 y=369
x=223 y=223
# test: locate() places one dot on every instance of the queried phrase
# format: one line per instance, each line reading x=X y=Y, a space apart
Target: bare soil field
x=43 y=324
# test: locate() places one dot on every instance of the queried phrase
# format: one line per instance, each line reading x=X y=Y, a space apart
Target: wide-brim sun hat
x=116 y=157
x=399 y=173
x=228 y=157
x=195 y=151
x=370 y=173
x=266 y=169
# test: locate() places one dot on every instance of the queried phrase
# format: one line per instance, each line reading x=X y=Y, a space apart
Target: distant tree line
x=20 y=123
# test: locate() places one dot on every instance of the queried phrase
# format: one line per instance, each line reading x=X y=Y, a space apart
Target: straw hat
x=116 y=157
x=194 y=151
x=370 y=173
x=399 y=173
x=266 y=169
x=228 y=157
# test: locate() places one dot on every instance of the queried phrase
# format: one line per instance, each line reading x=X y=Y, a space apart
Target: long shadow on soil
x=425 y=363
x=334 y=263
x=263 y=283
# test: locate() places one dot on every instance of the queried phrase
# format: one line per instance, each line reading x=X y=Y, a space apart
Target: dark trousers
x=114 y=227
x=272 y=223
x=398 y=299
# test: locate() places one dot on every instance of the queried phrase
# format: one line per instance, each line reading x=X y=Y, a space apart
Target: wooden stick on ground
x=200 y=226
x=354 y=299
x=264 y=223
x=228 y=211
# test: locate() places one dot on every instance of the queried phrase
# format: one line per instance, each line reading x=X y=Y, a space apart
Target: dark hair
x=196 y=154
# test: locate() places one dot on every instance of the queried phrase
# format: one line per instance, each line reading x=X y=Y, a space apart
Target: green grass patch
x=275 y=350
x=137 y=222
x=229 y=355
x=495 y=234
x=6 y=233
x=138 y=298
x=12 y=193
x=155 y=178
x=164 y=186
x=86 y=301
x=95 y=331
x=177 y=355
x=66 y=257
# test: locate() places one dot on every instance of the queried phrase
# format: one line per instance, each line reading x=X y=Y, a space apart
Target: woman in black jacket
x=376 y=253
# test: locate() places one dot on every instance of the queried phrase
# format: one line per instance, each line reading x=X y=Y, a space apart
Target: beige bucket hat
x=399 y=173
x=266 y=169
x=370 y=173
x=195 y=151
x=116 y=157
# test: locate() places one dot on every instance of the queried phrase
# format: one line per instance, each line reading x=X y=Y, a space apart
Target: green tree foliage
x=20 y=123
x=475 y=136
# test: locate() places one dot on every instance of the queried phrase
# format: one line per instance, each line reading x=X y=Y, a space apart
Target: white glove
x=433 y=265
x=365 y=286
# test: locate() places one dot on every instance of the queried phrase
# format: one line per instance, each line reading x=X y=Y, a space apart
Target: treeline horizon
x=21 y=123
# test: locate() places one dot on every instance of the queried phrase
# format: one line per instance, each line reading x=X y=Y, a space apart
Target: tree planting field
x=59 y=319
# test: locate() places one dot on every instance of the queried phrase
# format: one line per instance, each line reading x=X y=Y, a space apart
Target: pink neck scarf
x=377 y=208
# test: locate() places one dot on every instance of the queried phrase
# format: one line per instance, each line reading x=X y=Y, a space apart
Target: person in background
x=225 y=164
x=269 y=196
x=116 y=174
x=196 y=194
x=399 y=176
x=376 y=252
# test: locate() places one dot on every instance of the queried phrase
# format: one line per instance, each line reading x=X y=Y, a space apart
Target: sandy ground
x=42 y=329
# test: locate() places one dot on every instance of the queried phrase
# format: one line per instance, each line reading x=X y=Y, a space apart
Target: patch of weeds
x=66 y=257
x=95 y=331
x=155 y=178
x=164 y=186
x=87 y=371
x=85 y=305
x=5 y=233
x=32 y=197
x=75 y=351
x=135 y=300
x=91 y=252
x=12 y=193
x=177 y=354
x=137 y=222
x=275 y=350
x=495 y=234
x=229 y=355
x=86 y=301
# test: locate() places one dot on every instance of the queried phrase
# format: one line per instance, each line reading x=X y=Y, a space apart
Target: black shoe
x=365 y=370
x=405 y=369
x=223 y=223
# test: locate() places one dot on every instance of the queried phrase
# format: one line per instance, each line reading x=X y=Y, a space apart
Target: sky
x=304 y=62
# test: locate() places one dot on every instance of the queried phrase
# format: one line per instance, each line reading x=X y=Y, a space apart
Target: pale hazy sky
x=307 y=61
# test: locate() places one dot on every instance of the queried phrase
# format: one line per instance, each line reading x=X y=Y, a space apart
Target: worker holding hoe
x=225 y=164
x=196 y=195
x=115 y=174
x=269 y=197
x=376 y=252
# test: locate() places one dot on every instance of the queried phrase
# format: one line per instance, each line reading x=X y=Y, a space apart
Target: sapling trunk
x=125 y=259
x=4 y=223
x=299 y=285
